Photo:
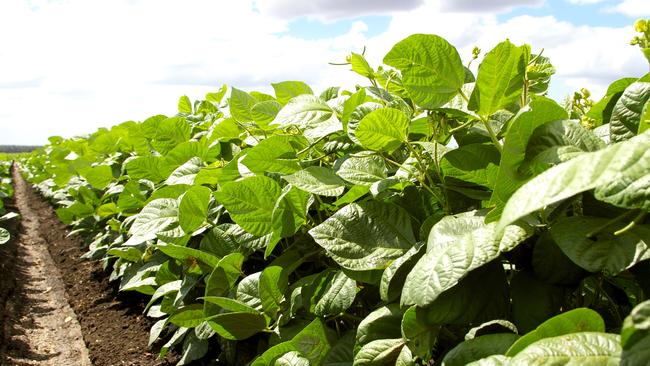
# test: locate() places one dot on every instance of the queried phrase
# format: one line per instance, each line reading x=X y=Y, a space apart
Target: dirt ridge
x=115 y=331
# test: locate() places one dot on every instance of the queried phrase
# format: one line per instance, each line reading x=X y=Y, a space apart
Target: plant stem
x=611 y=222
x=493 y=136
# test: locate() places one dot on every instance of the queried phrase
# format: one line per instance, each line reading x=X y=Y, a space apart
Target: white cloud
x=332 y=9
x=585 y=2
x=68 y=67
x=633 y=8
x=478 y=6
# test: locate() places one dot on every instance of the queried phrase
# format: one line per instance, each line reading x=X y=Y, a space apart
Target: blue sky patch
x=312 y=29
x=588 y=14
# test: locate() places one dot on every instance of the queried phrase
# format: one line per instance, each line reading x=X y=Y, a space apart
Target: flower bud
x=585 y=93
x=641 y=25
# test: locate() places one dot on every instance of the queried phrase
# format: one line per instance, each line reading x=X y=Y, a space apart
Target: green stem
x=493 y=136
x=637 y=219
x=611 y=222
x=311 y=145
x=458 y=128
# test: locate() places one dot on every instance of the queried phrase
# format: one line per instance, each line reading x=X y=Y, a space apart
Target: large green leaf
x=274 y=154
x=500 y=78
x=573 y=321
x=310 y=113
x=432 y=72
x=626 y=114
x=379 y=352
x=250 y=203
x=317 y=180
x=313 y=343
x=331 y=293
x=363 y=169
x=474 y=163
x=604 y=252
x=383 y=323
x=585 y=348
x=157 y=216
x=635 y=336
x=186 y=173
x=241 y=104
x=522 y=126
x=99 y=176
x=456 y=246
x=286 y=90
x=193 y=208
x=383 y=129
x=580 y=174
x=479 y=347
x=365 y=236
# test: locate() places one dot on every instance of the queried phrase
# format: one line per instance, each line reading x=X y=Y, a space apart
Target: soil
x=114 y=329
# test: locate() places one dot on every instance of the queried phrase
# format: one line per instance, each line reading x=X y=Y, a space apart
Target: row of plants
x=434 y=215
x=6 y=193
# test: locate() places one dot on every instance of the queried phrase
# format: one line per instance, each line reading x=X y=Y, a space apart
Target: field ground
x=59 y=309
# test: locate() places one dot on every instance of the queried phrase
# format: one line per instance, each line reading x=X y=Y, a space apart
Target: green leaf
x=365 y=236
x=558 y=141
x=331 y=293
x=317 y=180
x=586 y=348
x=480 y=296
x=241 y=104
x=263 y=113
x=274 y=154
x=432 y=72
x=185 y=253
x=393 y=277
x=500 y=79
x=99 y=176
x=420 y=336
x=383 y=129
x=626 y=114
x=605 y=252
x=483 y=346
x=291 y=358
x=152 y=168
x=360 y=66
x=186 y=173
x=313 y=343
x=237 y=325
x=189 y=316
x=384 y=322
x=250 y=203
x=456 y=246
x=522 y=126
x=644 y=119
x=170 y=133
x=286 y=90
x=573 y=321
x=474 y=163
x=184 y=105
x=580 y=174
x=157 y=216
x=311 y=114
x=193 y=208
x=379 y=352
x=5 y=236
x=602 y=111
x=635 y=335
x=363 y=169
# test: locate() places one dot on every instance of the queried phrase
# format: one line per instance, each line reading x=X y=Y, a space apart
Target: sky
x=68 y=67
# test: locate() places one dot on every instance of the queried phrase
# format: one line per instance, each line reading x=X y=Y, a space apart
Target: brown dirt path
x=40 y=327
x=114 y=330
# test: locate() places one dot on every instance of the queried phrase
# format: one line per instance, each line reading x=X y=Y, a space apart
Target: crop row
x=435 y=215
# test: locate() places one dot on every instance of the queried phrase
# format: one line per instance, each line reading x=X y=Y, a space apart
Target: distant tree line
x=17 y=148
